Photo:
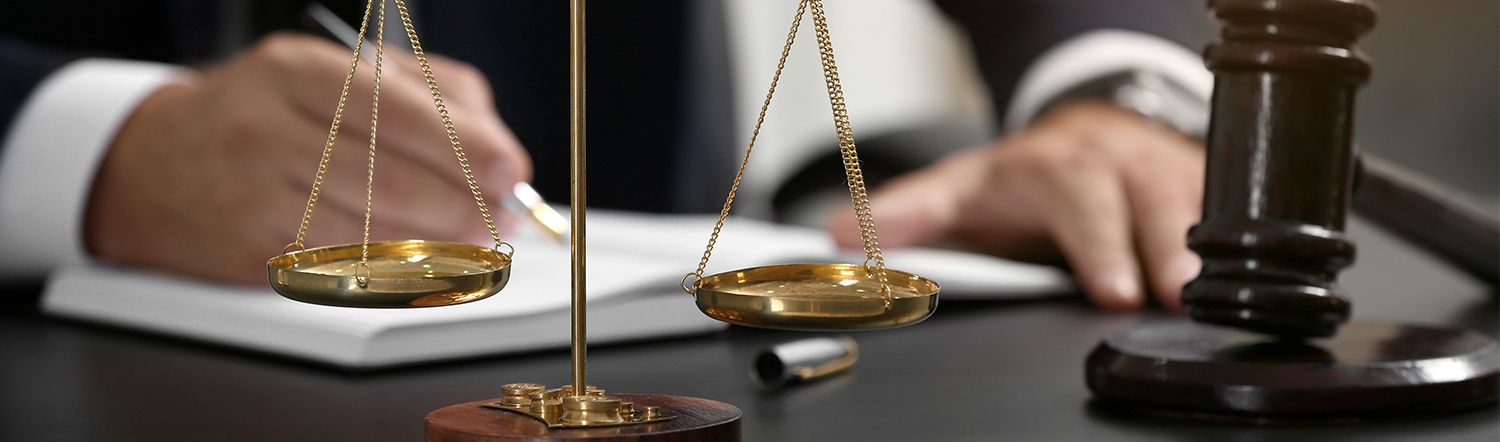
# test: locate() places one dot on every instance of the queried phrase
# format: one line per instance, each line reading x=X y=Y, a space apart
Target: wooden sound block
x=1367 y=370
x=697 y=420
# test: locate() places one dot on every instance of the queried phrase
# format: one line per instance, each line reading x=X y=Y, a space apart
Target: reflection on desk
x=974 y=371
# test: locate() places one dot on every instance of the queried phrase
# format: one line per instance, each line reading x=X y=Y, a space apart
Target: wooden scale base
x=1367 y=371
x=697 y=420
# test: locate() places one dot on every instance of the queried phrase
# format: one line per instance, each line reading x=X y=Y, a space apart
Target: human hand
x=1102 y=188
x=209 y=178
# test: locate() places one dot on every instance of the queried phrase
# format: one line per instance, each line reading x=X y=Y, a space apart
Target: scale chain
x=760 y=119
x=442 y=111
x=847 y=151
x=364 y=248
x=333 y=132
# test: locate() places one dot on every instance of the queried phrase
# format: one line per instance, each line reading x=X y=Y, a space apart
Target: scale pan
x=816 y=297
x=402 y=274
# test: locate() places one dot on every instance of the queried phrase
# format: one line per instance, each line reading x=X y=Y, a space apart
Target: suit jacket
x=644 y=46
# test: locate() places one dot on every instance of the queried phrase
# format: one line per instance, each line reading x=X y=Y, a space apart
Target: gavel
x=1268 y=340
x=1282 y=168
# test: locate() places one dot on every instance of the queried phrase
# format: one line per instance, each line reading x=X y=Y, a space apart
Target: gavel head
x=1279 y=166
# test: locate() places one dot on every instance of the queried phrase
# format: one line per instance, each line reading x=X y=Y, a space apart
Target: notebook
x=635 y=264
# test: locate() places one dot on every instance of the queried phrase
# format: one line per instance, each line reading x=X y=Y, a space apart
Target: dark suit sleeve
x=1007 y=35
x=22 y=68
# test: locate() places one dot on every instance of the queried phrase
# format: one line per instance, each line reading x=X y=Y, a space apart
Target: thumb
x=910 y=210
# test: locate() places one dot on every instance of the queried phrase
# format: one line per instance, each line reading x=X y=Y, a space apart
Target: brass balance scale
x=418 y=273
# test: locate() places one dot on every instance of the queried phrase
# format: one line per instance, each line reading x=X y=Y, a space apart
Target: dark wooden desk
x=975 y=371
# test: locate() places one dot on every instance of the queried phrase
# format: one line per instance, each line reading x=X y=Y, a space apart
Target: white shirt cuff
x=50 y=155
x=1096 y=54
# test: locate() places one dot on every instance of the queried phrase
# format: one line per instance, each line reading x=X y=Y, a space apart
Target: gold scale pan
x=814 y=297
x=416 y=273
x=390 y=274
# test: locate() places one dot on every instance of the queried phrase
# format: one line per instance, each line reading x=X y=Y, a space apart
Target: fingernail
x=1123 y=290
x=503 y=177
x=1185 y=268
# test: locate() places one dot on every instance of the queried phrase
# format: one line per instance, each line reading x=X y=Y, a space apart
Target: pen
x=522 y=198
x=803 y=360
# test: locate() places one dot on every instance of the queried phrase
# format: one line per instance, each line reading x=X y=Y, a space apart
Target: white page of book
x=636 y=262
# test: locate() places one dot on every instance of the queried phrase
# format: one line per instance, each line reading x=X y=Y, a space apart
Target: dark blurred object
x=1423 y=213
x=1278 y=185
x=1369 y=371
x=642 y=70
x=803 y=360
x=1280 y=167
x=809 y=193
x=168 y=31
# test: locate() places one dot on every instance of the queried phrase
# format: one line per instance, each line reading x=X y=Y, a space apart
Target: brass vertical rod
x=578 y=201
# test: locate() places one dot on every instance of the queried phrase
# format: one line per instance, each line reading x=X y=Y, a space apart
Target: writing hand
x=209 y=177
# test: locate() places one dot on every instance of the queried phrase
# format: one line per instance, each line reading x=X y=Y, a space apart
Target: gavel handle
x=1420 y=212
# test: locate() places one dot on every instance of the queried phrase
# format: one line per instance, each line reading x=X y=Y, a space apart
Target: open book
x=635 y=264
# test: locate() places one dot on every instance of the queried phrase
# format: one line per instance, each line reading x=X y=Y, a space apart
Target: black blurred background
x=1433 y=104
